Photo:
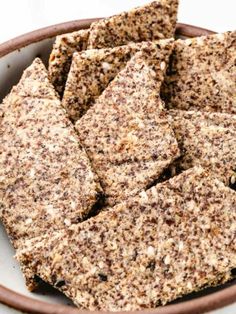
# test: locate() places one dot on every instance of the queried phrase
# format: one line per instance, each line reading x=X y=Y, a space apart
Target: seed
x=150 y=251
x=106 y=66
x=102 y=277
x=67 y=222
x=233 y=180
x=151 y=265
x=167 y=260
x=181 y=246
x=163 y=65
x=28 y=221
x=188 y=42
x=189 y=285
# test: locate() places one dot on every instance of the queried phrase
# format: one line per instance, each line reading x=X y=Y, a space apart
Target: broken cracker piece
x=201 y=75
x=153 y=21
x=92 y=70
x=60 y=58
x=126 y=133
x=46 y=180
x=172 y=240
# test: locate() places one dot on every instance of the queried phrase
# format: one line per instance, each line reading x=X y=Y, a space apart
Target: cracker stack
x=92 y=70
x=153 y=21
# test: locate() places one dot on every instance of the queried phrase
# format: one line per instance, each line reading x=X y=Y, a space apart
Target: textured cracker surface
x=155 y=20
x=92 y=70
x=46 y=181
x=126 y=133
x=46 y=178
x=156 y=244
x=60 y=58
x=202 y=75
x=207 y=139
x=176 y=238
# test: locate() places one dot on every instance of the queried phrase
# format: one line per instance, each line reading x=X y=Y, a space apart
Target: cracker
x=60 y=58
x=213 y=51
x=92 y=70
x=153 y=21
x=126 y=133
x=174 y=239
x=46 y=180
x=201 y=75
x=206 y=139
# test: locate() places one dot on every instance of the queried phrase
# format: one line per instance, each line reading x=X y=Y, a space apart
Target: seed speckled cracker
x=207 y=139
x=46 y=180
x=92 y=70
x=60 y=58
x=153 y=21
x=202 y=75
x=174 y=239
x=126 y=133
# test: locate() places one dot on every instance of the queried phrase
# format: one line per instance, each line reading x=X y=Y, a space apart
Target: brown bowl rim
x=67 y=27
x=23 y=303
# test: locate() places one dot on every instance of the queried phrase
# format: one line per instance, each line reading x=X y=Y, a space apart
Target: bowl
x=15 y=56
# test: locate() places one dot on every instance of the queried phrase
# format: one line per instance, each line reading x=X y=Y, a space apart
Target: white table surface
x=21 y=16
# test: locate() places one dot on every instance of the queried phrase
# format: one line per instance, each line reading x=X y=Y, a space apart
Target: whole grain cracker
x=92 y=70
x=215 y=52
x=153 y=21
x=206 y=139
x=60 y=58
x=126 y=133
x=201 y=75
x=174 y=239
x=46 y=180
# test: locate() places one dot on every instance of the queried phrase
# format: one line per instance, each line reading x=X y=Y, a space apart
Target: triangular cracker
x=46 y=180
x=174 y=239
x=126 y=133
x=201 y=75
x=60 y=58
x=92 y=70
x=153 y=21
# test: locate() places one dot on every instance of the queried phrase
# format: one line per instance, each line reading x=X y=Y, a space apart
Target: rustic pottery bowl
x=16 y=55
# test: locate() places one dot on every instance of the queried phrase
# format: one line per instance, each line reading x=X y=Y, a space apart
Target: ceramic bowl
x=15 y=56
